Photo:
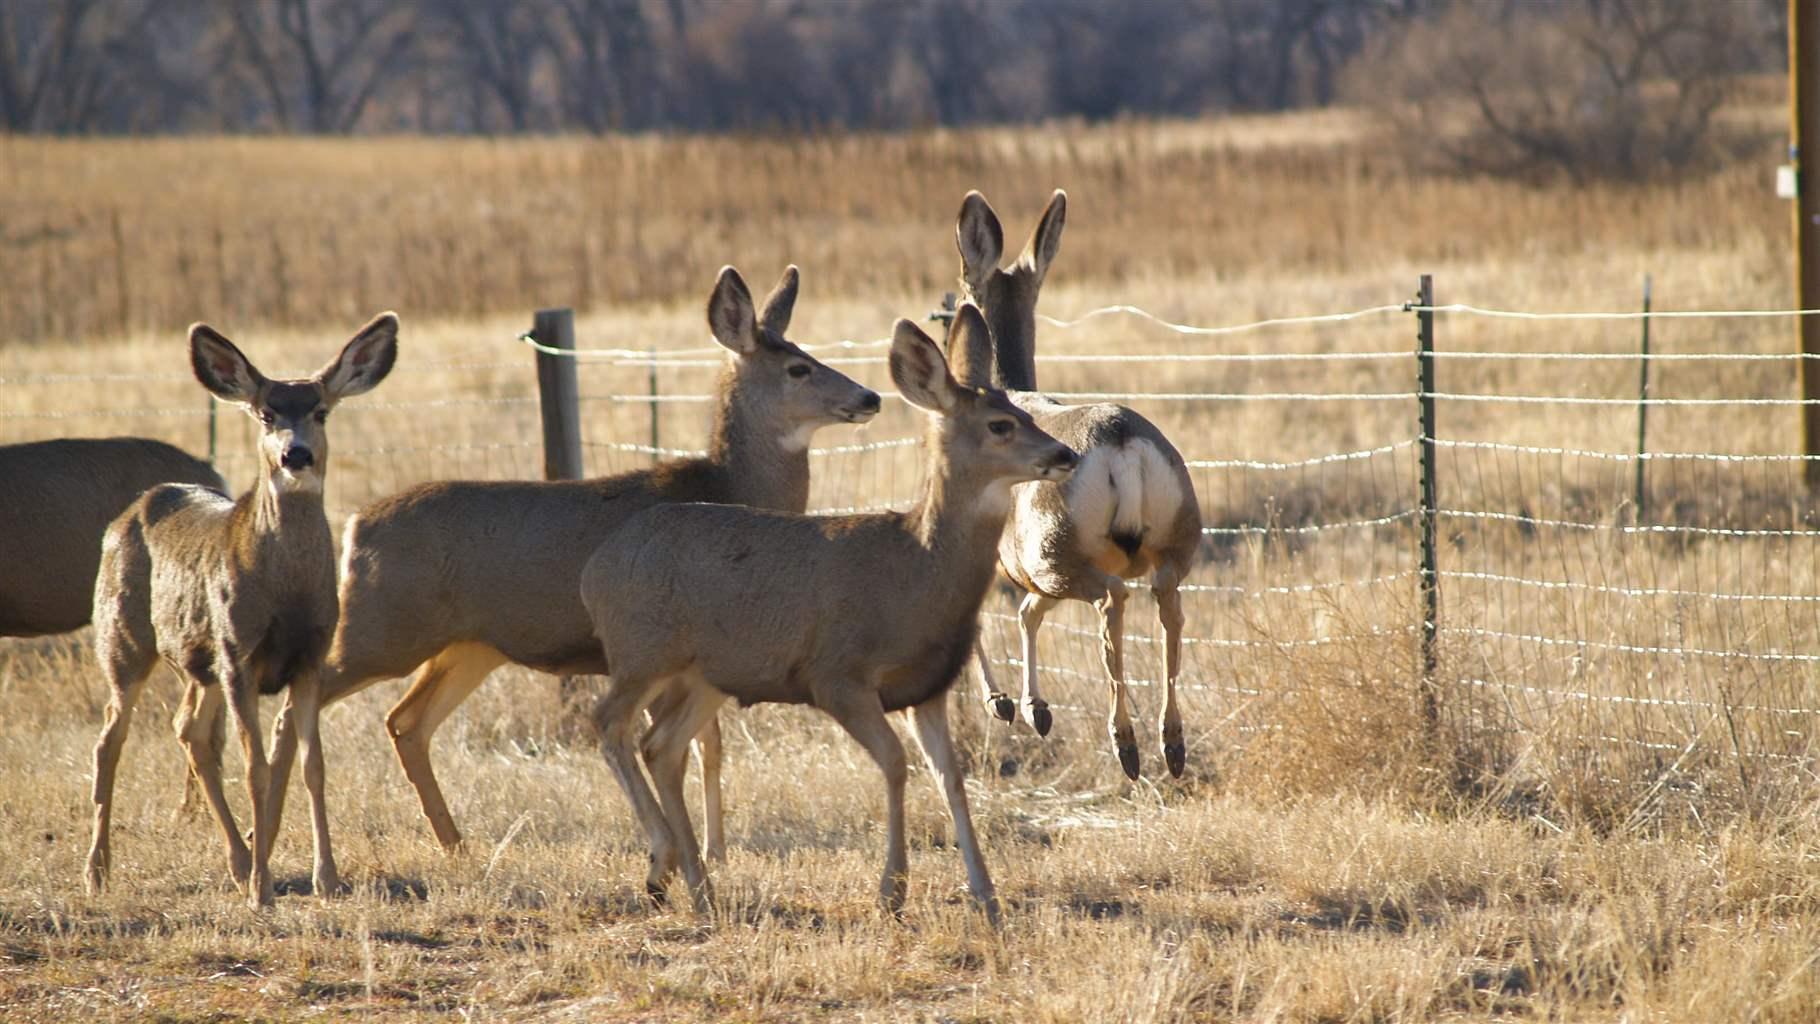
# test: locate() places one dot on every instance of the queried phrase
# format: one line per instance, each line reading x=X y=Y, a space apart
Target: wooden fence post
x=557 y=394
x=559 y=399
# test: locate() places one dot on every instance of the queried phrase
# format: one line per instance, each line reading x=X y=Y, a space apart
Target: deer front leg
x=615 y=714
x=997 y=701
x=200 y=725
x=282 y=753
x=666 y=753
x=931 y=718
x=1169 y=612
x=859 y=712
x=243 y=704
x=1030 y=616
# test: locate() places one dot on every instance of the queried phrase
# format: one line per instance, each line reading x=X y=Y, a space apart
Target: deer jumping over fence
x=857 y=615
x=1128 y=510
x=238 y=596
x=447 y=581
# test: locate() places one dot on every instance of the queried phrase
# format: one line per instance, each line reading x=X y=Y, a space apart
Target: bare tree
x=1595 y=88
x=320 y=62
x=499 y=45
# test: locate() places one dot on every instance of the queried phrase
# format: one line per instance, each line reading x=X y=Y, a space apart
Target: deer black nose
x=868 y=402
x=1064 y=459
x=297 y=457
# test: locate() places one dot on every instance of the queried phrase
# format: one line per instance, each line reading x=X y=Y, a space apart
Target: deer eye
x=267 y=417
x=322 y=416
x=798 y=370
x=1002 y=428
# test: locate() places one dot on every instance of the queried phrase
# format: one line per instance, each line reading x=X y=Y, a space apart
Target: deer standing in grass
x=238 y=596
x=450 y=580
x=857 y=615
x=1128 y=511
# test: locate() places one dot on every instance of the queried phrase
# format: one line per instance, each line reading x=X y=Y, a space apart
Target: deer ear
x=730 y=313
x=970 y=347
x=223 y=369
x=1046 y=240
x=364 y=361
x=780 y=303
x=980 y=239
x=919 y=371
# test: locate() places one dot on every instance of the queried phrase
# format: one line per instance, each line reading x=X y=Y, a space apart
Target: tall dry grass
x=1593 y=834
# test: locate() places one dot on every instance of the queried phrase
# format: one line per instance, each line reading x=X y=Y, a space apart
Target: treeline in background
x=1625 y=87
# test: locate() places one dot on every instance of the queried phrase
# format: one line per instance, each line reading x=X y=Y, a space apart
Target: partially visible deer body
x=451 y=580
x=1128 y=511
x=857 y=615
x=62 y=496
x=238 y=596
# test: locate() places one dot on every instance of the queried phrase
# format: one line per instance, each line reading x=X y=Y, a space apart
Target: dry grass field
x=1598 y=830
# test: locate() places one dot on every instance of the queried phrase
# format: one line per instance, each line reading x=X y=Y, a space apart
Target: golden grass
x=1568 y=846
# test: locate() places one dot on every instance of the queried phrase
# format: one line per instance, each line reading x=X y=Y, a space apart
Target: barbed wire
x=1632 y=456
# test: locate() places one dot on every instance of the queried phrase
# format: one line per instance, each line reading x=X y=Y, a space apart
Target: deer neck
x=1013 y=327
x=269 y=522
x=959 y=519
x=764 y=463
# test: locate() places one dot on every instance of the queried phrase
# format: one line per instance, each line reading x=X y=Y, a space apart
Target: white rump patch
x=1128 y=490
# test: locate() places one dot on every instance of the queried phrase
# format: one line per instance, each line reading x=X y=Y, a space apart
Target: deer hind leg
x=1169 y=613
x=615 y=715
x=201 y=726
x=439 y=686
x=1108 y=596
x=1030 y=616
x=126 y=674
x=713 y=820
x=666 y=753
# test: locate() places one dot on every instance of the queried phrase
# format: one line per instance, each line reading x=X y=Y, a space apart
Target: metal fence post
x=656 y=456
x=1642 y=494
x=1431 y=582
x=557 y=395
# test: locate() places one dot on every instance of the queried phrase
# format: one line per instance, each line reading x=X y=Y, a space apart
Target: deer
x=67 y=492
x=447 y=581
x=51 y=543
x=236 y=595
x=857 y=615
x=1129 y=510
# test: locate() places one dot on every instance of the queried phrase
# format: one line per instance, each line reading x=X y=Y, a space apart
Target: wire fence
x=1605 y=594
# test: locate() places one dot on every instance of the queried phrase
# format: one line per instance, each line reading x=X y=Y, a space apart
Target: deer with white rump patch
x=858 y=615
x=447 y=581
x=1128 y=510
x=237 y=596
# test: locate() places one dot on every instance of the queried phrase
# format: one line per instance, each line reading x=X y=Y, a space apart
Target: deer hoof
x=1175 y=755
x=1040 y=718
x=1003 y=707
x=1128 y=760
